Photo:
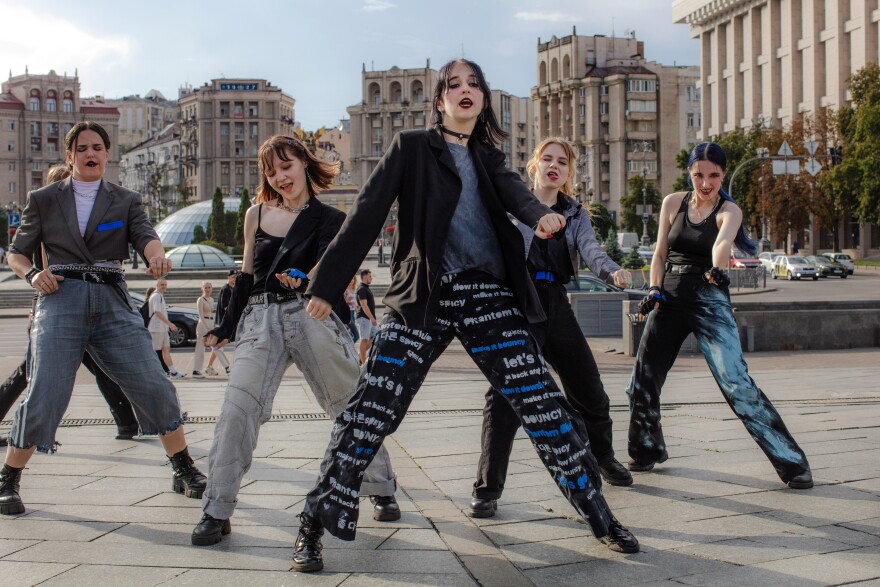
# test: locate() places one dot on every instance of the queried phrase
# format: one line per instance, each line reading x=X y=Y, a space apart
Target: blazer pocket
x=110 y=226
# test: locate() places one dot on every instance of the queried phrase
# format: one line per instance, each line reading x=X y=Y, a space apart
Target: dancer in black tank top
x=689 y=294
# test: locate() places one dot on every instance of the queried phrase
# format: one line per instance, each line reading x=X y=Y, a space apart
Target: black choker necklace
x=459 y=135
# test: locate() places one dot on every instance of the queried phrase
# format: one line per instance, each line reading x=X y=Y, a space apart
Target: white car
x=793 y=267
x=768 y=258
x=843 y=259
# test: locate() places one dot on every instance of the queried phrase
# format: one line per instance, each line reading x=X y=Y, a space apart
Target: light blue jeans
x=101 y=319
x=271 y=337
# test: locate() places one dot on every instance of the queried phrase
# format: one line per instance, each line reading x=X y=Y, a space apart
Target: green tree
x=633 y=260
x=601 y=219
x=612 y=249
x=630 y=204
x=681 y=161
x=217 y=220
x=199 y=234
x=242 y=210
x=231 y=219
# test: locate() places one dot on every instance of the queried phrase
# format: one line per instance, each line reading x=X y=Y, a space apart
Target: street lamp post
x=763 y=124
x=644 y=147
x=583 y=164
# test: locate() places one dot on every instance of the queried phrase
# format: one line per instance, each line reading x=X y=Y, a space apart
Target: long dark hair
x=487 y=129
x=713 y=153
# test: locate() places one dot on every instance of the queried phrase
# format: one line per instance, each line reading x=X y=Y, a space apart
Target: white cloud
x=43 y=42
x=544 y=16
x=377 y=5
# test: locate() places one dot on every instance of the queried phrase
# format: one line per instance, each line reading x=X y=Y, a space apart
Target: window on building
x=582 y=92
x=641 y=105
x=224 y=150
x=641 y=85
x=693 y=93
x=239 y=131
x=224 y=169
x=253 y=110
x=603 y=107
x=238 y=110
x=36 y=166
x=603 y=90
x=224 y=109
x=639 y=166
x=67 y=127
x=10 y=146
x=11 y=187
x=52 y=129
x=694 y=120
x=254 y=130
x=34 y=104
x=12 y=166
x=10 y=125
x=252 y=170
x=68 y=105
x=36 y=145
x=35 y=129
x=582 y=110
x=239 y=169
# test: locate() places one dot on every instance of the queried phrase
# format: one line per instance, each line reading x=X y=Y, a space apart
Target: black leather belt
x=686 y=269
x=273 y=298
x=111 y=276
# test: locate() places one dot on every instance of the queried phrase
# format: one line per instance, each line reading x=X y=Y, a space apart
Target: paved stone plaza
x=101 y=511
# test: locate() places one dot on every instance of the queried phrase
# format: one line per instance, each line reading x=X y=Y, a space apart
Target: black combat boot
x=10 y=501
x=187 y=479
x=307 y=552
x=210 y=530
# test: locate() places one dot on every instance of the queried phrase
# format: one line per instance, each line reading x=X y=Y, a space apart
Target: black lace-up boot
x=10 y=501
x=307 y=556
x=187 y=479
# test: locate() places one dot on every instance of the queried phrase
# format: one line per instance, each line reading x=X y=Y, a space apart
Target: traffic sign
x=812 y=167
x=811 y=146
x=785 y=150
x=14 y=220
x=645 y=217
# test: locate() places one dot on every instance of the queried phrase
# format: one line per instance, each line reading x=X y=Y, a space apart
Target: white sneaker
x=197 y=375
x=178 y=375
x=210 y=371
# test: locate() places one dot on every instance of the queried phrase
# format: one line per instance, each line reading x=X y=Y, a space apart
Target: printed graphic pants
x=482 y=314
x=695 y=306
x=271 y=337
x=565 y=348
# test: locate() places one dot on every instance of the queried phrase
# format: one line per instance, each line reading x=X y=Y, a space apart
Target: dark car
x=591 y=284
x=828 y=267
x=185 y=319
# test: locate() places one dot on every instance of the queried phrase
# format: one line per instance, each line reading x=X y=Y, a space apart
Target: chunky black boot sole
x=12 y=508
x=179 y=486
x=214 y=537
x=639 y=468
x=307 y=567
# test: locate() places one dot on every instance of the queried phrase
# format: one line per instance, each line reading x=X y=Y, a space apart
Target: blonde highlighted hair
x=319 y=174
x=532 y=166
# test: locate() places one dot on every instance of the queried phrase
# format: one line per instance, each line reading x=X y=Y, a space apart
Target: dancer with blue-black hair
x=689 y=294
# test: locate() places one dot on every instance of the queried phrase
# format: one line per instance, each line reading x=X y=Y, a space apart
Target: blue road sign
x=14 y=220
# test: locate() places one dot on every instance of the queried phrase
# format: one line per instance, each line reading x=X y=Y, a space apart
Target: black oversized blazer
x=419 y=172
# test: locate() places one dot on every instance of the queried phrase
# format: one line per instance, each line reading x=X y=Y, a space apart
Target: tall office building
x=143 y=118
x=36 y=111
x=222 y=125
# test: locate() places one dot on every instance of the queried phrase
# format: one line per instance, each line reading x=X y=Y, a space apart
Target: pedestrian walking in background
x=457 y=271
x=222 y=305
x=366 y=315
x=351 y=300
x=552 y=263
x=160 y=325
x=205 y=308
x=85 y=225
x=689 y=294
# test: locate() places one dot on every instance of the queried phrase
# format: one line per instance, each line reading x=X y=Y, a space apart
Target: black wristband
x=29 y=276
x=654 y=288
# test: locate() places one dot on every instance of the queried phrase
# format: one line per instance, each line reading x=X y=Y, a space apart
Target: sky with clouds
x=313 y=50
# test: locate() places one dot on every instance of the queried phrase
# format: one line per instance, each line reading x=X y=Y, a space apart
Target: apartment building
x=771 y=60
x=625 y=115
x=142 y=118
x=222 y=125
x=36 y=112
x=153 y=169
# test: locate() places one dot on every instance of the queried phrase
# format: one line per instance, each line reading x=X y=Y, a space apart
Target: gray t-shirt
x=472 y=242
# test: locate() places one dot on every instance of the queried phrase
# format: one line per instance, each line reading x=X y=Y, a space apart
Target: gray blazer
x=49 y=217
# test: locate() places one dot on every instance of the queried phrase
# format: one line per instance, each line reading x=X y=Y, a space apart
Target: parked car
x=827 y=267
x=793 y=267
x=587 y=283
x=740 y=261
x=843 y=259
x=767 y=259
x=185 y=319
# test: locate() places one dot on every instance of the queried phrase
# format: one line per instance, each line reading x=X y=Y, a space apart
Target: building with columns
x=222 y=125
x=771 y=60
x=36 y=111
x=625 y=115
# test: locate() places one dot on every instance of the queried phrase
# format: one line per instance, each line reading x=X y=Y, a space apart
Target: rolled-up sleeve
x=29 y=234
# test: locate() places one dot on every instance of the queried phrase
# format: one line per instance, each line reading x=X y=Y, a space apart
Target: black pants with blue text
x=482 y=313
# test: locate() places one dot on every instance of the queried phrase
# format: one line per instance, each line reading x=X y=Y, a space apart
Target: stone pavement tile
x=26 y=528
x=759 y=549
x=518 y=512
x=120 y=514
x=494 y=571
x=31 y=481
x=868 y=526
x=406 y=580
x=413 y=520
x=119 y=576
x=9 y=546
x=834 y=568
x=131 y=496
x=868 y=583
x=465 y=539
x=851 y=473
x=820 y=506
x=739 y=576
x=152 y=484
x=245 y=501
x=411 y=539
x=27 y=574
x=391 y=561
x=843 y=459
x=803 y=544
x=550 y=553
x=871 y=486
x=645 y=567
x=535 y=531
x=35 y=469
x=662 y=536
x=202 y=577
x=844 y=533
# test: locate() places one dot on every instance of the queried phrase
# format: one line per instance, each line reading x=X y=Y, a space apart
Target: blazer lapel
x=438 y=143
x=301 y=228
x=67 y=205
x=102 y=203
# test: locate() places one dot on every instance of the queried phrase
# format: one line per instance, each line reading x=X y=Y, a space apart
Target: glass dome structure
x=177 y=229
x=200 y=257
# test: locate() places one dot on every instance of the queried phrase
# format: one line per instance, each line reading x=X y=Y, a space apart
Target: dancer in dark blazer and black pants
x=457 y=271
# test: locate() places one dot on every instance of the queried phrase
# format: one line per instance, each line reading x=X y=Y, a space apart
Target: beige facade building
x=772 y=60
x=335 y=146
x=143 y=118
x=625 y=115
x=153 y=169
x=400 y=99
x=222 y=125
x=36 y=111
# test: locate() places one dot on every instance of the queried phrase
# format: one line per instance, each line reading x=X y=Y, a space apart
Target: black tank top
x=265 y=248
x=691 y=243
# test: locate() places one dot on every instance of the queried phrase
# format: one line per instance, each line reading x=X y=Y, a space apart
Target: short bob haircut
x=487 y=129
x=79 y=128
x=319 y=174
x=532 y=166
